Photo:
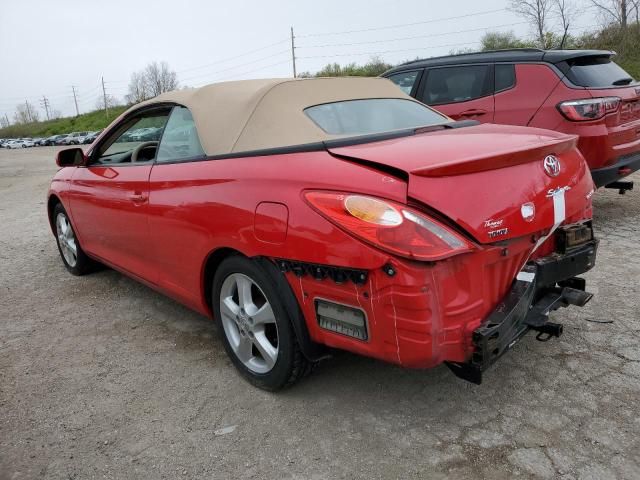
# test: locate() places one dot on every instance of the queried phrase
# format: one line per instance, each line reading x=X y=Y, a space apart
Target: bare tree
x=25 y=113
x=159 y=78
x=138 y=91
x=4 y=121
x=635 y=6
x=566 y=11
x=111 y=102
x=616 y=11
x=55 y=114
x=536 y=12
x=155 y=79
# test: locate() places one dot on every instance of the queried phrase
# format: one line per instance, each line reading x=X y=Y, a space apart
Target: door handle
x=138 y=197
x=474 y=112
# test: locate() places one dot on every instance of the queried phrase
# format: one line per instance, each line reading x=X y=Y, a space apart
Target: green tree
x=372 y=68
x=503 y=40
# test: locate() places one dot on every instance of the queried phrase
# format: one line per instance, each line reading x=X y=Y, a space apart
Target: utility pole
x=104 y=96
x=293 y=53
x=29 y=116
x=45 y=103
x=75 y=100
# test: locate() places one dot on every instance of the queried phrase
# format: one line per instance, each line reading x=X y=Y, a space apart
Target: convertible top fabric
x=257 y=114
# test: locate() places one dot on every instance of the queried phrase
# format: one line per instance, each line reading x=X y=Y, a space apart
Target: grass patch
x=91 y=121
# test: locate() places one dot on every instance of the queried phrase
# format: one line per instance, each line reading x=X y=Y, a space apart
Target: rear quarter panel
x=196 y=208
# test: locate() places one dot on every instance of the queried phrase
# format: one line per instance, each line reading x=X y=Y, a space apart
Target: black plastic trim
x=321 y=272
x=606 y=175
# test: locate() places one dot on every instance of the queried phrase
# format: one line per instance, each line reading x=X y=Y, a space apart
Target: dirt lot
x=101 y=377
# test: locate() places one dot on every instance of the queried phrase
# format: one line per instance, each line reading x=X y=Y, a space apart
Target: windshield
x=377 y=115
x=598 y=72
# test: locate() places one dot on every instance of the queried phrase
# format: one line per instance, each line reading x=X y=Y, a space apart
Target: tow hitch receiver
x=526 y=307
x=622 y=187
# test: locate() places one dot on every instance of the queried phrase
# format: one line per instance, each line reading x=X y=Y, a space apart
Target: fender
x=312 y=351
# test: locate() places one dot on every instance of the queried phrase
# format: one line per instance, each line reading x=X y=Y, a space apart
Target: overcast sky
x=47 y=46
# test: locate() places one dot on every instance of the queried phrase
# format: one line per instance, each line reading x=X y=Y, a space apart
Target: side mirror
x=71 y=157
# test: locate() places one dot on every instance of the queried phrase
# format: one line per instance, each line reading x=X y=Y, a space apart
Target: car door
x=183 y=190
x=109 y=197
x=462 y=92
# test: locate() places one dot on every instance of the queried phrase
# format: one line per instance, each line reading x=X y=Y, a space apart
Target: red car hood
x=486 y=178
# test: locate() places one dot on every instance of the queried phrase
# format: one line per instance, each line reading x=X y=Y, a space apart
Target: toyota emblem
x=551 y=165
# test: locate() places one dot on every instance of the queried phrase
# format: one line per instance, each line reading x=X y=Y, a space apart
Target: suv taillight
x=588 y=109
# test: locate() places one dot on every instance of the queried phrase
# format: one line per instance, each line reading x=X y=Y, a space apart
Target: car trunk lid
x=490 y=180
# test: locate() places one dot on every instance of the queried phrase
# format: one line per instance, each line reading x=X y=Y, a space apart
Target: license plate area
x=573 y=236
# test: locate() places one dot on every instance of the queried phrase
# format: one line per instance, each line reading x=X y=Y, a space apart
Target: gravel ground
x=101 y=377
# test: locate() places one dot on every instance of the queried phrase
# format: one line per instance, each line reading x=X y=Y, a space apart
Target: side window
x=505 y=77
x=180 y=139
x=457 y=84
x=405 y=80
x=135 y=140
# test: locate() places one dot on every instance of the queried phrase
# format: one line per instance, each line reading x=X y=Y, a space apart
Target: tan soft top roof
x=256 y=114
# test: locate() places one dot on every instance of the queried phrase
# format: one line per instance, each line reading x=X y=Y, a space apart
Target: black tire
x=290 y=365
x=83 y=263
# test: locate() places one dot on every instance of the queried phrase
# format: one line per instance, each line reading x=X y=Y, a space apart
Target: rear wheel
x=73 y=257
x=257 y=331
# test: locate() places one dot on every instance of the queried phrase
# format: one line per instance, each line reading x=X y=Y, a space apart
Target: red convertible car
x=306 y=215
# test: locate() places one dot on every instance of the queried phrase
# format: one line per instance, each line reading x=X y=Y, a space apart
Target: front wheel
x=73 y=257
x=257 y=332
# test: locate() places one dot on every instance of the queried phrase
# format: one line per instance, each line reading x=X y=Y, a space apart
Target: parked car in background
x=146 y=134
x=582 y=92
x=314 y=213
x=50 y=140
x=91 y=136
x=20 y=143
x=61 y=139
x=74 y=138
x=37 y=141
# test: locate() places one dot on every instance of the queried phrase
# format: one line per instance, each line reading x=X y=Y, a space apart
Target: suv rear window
x=375 y=115
x=597 y=72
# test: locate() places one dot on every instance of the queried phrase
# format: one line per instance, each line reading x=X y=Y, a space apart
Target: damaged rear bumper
x=541 y=287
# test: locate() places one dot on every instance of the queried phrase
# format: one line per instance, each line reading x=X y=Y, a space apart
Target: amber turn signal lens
x=371 y=210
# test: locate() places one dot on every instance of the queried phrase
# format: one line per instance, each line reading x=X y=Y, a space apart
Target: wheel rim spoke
x=244 y=349
x=244 y=292
x=264 y=315
x=228 y=308
x=268 y=352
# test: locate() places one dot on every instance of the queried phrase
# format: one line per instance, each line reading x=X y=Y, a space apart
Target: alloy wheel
x=66 y=240
x=249 y=323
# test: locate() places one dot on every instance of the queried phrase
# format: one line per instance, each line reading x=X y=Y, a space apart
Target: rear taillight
x=389 y=226
x=588 y=109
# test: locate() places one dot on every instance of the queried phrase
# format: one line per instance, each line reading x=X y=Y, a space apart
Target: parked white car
x=19 y=144
x=75 y=138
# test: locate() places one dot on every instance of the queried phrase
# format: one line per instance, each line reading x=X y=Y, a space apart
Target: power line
x=399 y=25
x=234 y=57
x=247 y=72
x=45 y=103
x=390 y=51
x=414 y=37
x=235 y=66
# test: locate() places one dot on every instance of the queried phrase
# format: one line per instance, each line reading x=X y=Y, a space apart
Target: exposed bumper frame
x=542 y=287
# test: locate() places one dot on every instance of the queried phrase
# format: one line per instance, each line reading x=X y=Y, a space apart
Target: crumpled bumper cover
x=542 y=286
